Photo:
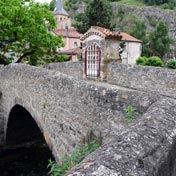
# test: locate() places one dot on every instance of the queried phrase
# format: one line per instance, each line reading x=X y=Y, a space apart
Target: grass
x=131 y=2
x=67 y=162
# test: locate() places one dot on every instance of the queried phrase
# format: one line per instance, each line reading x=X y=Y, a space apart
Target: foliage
x=138 y=30
x=52 y=5
x=97 y=13
x=171 y=3
x=141 y=61
x=25 y=32
x=154 y=61
x=160 y=40
x=70 y=161
x=130 y=113
x=151 y=61
x=171 y=63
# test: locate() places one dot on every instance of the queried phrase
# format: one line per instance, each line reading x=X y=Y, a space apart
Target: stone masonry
x=64 y=107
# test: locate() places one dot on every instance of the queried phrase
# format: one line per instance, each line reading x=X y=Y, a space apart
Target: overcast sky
x=48 y=1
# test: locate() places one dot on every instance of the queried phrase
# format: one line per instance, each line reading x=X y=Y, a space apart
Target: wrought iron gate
x=92 y=61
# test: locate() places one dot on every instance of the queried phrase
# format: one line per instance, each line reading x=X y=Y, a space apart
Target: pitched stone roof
x=72 y=33
x=129 y=38
x=59 y=8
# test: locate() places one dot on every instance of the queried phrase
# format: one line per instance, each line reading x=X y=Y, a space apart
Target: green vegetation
x=151 y=61
x=154 y=61
x=141 y=60
x=97 y=13
x=160 y=40
x=52 y=5
x=171 y=63
x=130 y=114
x=156 y=43
x=67 y=162
x=25 y=32
x=165 y=4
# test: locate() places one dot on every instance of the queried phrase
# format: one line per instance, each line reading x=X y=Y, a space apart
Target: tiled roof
x=129 y=38
x=71 y=51
x=107 y=32
x=72 y=33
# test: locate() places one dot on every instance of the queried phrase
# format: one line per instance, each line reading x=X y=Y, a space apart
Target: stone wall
x=151 y=79
x=145 y=149
x=65 y=108
x=74 y=69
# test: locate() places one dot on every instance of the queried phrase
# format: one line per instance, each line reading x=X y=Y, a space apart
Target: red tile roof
x=128 y=37
x=107 y=32
x=71 y=33
x=72 y=51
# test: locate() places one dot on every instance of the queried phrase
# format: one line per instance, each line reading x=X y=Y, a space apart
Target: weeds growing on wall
x=70 y=161
x=130 y=114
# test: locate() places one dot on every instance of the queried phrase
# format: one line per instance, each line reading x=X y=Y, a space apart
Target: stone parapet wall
x=65 y=108
x=145 y=149
x=71 y=68
x=150 y=79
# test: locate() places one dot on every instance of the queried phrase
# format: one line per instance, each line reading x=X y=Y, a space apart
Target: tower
x=62 y=18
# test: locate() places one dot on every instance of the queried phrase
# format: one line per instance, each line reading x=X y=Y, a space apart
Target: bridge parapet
x=145 y=149
x=74 y=69
x=151 y=79
x=66 y=108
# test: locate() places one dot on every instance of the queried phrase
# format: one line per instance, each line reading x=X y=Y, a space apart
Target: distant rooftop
x=59 y=8
x=72 y=33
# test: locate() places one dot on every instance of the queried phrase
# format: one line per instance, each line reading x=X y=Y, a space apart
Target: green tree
x=97 y=13
x=52 y=5
x=138 y=30
x=24 y=30
x=160 y=40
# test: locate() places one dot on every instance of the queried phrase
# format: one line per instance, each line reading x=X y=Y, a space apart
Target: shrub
x=154 y=61
x=141 y=61
x=171 y=63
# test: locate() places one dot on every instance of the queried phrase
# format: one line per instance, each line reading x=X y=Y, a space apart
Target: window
x=92 y=60
x=75 y=44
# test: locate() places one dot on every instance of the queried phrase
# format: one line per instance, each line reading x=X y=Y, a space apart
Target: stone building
x=99 y=47
x=132 y=49
x=70 y=35
x=62 y=17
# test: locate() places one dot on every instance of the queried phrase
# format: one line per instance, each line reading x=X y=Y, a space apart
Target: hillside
x=125 y=14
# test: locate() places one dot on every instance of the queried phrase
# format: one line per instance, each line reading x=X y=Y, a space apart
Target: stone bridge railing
x=64 y=107
x=147 y=148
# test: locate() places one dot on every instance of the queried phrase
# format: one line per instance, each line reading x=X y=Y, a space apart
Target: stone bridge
x=66 y=108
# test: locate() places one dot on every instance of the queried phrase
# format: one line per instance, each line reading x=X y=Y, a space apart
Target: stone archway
x=21 y=127
x=25 y=151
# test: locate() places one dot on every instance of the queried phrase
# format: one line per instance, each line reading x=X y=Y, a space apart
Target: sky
x=48 y=1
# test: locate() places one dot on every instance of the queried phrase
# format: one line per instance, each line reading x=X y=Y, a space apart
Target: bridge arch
x=21 y=127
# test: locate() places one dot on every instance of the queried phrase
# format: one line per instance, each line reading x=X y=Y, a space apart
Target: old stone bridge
x=66 y=108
